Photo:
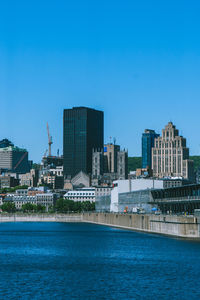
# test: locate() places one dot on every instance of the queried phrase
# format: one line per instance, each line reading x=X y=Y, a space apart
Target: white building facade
x=84 y=194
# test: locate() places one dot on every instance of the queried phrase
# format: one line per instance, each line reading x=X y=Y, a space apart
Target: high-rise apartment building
x=170 y=156
x=83 y=131
x=148 y=138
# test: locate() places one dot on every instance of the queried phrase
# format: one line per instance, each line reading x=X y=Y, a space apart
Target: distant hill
x=136 y=162
x=196 y=159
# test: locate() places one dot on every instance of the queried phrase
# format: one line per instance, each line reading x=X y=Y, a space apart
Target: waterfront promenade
x=172 y=225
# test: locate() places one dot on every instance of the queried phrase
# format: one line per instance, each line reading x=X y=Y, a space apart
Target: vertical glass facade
x=82 y=132
x=148 y=138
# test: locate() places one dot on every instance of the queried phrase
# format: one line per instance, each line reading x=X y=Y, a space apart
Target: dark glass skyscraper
x=148 y=138
x=83 y=131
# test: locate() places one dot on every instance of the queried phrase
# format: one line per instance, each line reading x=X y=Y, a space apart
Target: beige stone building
x=170 y=156
x=110 y=155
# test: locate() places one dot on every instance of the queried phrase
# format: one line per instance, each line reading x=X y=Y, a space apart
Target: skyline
x=138 y=62
x=110 y=140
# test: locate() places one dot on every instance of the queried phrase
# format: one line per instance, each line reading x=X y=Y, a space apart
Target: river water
x=86 y=261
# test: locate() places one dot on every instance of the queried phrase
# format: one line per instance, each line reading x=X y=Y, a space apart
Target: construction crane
x=50 y=142
x=45 y=153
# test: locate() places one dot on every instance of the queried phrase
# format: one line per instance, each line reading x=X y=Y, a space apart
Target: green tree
x=64 y=206
x=8 y=207
x=40 y=208
x=13 y=189
x=28 y=207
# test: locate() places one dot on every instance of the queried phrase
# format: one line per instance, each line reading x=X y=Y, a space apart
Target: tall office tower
x=122 y=165
x=14 y=159
x=148 y=138
x=170 y=156
x=83 y=131
x=110 y=158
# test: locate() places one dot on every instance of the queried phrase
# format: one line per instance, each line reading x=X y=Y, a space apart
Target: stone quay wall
x=172 y=225
x=181 y=226
x=40 y=218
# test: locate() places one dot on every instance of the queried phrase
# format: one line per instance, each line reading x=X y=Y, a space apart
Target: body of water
x=86 y=261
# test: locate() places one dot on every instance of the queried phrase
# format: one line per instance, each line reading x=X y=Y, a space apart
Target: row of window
x=81 y=194
x=169 y=144
x=80 y=198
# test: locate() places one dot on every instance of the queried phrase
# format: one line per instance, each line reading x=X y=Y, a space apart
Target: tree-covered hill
x=196 y=159
x=134 y=163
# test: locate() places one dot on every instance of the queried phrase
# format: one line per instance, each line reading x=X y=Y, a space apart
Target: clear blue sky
x=138 y=61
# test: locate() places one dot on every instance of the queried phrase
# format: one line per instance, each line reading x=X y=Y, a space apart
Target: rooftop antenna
x=110 y=139
x=114 y=141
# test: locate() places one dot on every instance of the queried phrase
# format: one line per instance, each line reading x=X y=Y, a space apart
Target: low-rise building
x=58 y=171
x=8 y=182
x=30 y=179
x=114 y=202
x=48 y=200
x=84 y=194
x=53 y=181
x=53 y=177
x=102 y=191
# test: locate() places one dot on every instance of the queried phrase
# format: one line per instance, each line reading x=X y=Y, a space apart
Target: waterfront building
x=102 y=198
x=170 y=156
x=148 y=138
x=102 y=191
x=143 y=195
x=83 y=131
x=47 y=199
x=84 y=194
x=21 y=192
x=180 y=199
x=13 y=159
x=88 y=194
x=128 y=186
x=121 y=196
